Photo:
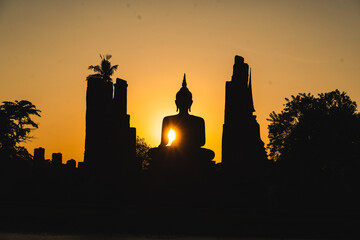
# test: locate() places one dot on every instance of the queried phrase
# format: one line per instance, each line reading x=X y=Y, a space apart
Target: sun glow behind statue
x=171 y=136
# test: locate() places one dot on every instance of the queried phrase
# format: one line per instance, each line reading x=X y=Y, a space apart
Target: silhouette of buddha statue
x=188 y=130
x=182 y=137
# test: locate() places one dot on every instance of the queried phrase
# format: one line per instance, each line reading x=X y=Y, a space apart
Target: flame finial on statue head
x=184 y=81
x=184 y=96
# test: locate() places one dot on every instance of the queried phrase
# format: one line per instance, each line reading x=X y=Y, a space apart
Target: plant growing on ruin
x=104 y=71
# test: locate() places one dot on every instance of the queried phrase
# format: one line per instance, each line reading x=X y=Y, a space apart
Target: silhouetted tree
x=104 y=70
x=15 y=161
x=15 y=127
x=142 y=155
x=315 y=141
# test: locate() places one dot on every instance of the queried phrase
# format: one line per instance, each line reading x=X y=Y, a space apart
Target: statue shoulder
x=196 y=118
x=169 y=118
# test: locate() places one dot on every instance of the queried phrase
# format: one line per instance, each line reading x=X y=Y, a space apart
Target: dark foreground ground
x=22 y=236
x=113 y=221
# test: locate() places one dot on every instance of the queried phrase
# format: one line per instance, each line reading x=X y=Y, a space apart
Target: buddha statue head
x=183 y=98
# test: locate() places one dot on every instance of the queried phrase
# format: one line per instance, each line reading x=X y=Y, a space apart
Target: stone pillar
x=99 y=97
x=120 y=96
x=124 y=138
x=39 y=156
x=243 y=152
x=56 y=159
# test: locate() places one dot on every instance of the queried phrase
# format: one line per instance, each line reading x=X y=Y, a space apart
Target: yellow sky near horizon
x=291 y=46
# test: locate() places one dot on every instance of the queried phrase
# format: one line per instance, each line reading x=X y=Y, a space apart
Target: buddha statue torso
x=189 y=130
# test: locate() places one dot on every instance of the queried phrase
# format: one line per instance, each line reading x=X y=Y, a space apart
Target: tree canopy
x=104 y=71
x=15 y=126
x=321 y=134
x=142 y=156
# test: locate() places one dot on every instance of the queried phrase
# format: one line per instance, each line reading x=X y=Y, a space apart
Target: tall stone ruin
x=109 y=141
x=243 y=153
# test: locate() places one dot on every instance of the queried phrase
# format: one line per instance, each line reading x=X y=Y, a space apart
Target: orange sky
x=291 y=46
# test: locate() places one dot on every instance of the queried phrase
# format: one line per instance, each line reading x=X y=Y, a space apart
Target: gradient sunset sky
x=291 y=47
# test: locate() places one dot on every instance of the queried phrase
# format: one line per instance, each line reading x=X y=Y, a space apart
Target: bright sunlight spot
x=171 y=136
